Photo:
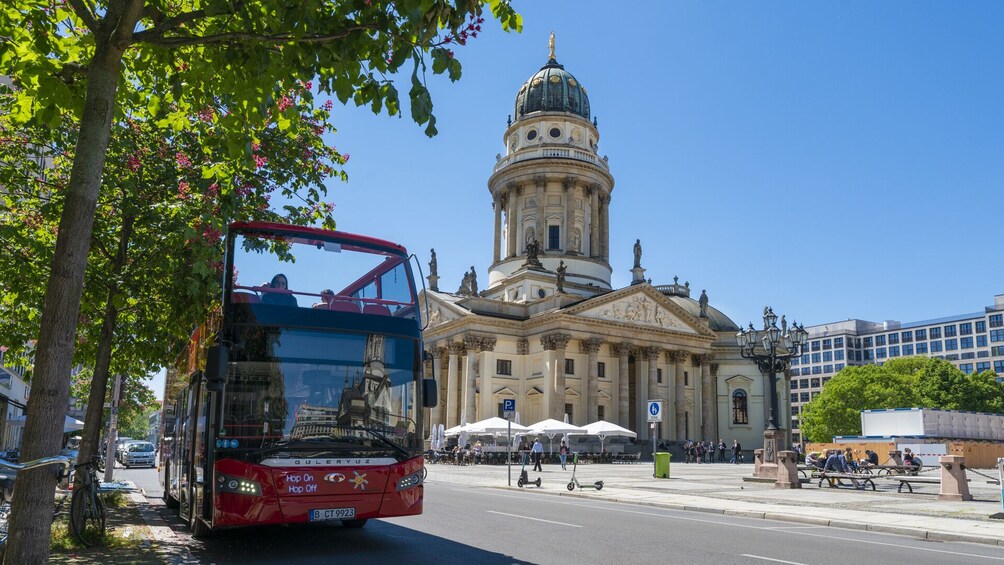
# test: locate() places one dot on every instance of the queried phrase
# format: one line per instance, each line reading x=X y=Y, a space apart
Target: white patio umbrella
x=495 y=425
x=604 y=429
x=551 y=428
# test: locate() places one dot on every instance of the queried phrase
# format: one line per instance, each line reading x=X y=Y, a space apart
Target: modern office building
x=972 y=342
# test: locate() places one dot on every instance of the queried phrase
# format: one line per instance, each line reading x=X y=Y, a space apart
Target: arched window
x=739 y=412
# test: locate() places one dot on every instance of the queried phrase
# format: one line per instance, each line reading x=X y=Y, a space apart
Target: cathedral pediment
x=641 y=306
x=442 y=310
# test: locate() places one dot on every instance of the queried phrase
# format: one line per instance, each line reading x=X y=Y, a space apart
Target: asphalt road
x=482 y=525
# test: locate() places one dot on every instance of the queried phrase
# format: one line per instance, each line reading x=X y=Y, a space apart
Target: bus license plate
x=332 y=514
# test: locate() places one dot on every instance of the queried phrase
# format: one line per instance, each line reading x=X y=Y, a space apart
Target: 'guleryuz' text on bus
x=301 y=399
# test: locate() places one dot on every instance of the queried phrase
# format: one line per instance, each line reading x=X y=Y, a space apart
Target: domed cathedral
x=549 y=330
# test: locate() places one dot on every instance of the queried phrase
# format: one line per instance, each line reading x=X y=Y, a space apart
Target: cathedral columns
x=541 y=182
x=592 y=348
x=512 y=219
x=594 y=222
x=436 y=412
x=681 y=396
x=452 y=385
x=556 y=343
x=707 y=426
x=569 y=187
x=622 y=351
x=497 y=248
x=652 y=355
x=605 y=227
x=714 y=404
x=486 y=410
x=473 y=346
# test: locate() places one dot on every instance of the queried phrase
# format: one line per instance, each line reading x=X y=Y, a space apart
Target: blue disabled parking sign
x=654 y=410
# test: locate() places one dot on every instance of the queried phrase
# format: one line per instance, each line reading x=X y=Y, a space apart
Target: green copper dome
x=552 y=89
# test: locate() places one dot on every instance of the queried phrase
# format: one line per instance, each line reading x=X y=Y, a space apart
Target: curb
x=786 y=517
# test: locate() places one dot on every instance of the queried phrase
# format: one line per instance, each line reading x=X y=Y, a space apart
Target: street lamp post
x=772 y=349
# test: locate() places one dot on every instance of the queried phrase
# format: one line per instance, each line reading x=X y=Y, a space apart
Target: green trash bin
x=662 y=465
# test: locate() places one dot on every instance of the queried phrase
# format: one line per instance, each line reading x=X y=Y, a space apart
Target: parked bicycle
x=87 y=511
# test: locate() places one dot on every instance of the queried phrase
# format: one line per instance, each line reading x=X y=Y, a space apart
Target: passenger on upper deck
x=281 y=298
x=327 y=295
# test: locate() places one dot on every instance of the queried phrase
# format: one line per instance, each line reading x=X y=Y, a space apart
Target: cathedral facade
x=550 y=331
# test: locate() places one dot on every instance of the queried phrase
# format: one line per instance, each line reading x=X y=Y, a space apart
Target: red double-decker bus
x=302 y=401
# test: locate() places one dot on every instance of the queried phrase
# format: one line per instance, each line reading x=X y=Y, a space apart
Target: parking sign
x=654 y=410
x=508 y=407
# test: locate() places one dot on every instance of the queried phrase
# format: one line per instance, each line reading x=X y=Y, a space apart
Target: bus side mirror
x=430 y=393
x=216 y=367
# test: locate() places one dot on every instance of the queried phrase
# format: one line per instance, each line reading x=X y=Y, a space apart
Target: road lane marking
x=771 y=559
x=608 y=506
x=535 y=519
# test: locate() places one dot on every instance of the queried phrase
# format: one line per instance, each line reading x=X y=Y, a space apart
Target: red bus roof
x=318 y=232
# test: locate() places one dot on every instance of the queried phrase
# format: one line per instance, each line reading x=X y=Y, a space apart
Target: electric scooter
x=598 y=485
x=524 y=479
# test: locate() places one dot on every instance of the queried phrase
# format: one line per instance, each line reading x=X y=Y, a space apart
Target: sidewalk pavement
x=720 y=488
x=717 y=488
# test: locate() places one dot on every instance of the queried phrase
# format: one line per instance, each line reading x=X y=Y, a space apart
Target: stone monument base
x=766 y=468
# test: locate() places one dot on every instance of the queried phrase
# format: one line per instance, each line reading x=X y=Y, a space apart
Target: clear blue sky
x=834 y=160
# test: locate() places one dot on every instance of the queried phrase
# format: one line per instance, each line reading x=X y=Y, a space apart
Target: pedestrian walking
x=711 y=451
x=737 y=451
x=721 y=450
x=563 y=454
x=538 y=452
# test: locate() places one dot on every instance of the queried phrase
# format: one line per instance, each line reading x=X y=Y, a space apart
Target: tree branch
x=84 y=13
x=181 y=41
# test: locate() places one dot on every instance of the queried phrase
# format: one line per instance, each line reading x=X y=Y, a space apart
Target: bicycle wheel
x=87 y=516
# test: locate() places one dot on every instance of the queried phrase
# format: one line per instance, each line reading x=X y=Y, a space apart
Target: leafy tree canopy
x=899 y=383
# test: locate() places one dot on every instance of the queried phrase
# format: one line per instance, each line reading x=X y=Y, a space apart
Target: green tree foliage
x=837 y=409
x=166 y=60
x=904 y=382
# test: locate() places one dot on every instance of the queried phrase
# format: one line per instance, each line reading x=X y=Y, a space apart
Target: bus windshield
x=299 y=389
x=321 y=272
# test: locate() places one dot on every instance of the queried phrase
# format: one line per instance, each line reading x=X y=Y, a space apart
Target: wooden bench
x=834 y=479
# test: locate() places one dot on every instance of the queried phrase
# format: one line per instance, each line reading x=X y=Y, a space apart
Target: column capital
x=522 y=346
x=714 y=369
x=439 y=351
x=622 y=349
x=479 y=343
x=512 y=186
x=569 y=182
x=591 y=345
x=677 y=356
x=552 y=342
x=652 y=352
x=456 y=348
x=699 y=359
x=540 y=181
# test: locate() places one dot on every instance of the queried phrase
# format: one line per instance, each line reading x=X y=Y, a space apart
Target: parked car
x=119 y=447
x=138 y=453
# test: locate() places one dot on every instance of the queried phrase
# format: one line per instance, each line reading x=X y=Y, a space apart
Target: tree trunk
x=31 y=511
x=99 y=381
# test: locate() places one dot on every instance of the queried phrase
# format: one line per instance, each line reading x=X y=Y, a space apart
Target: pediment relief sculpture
x=640 y=310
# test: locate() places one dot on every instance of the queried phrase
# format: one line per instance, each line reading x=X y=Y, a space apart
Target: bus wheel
x=354 y=524
x=199 y=528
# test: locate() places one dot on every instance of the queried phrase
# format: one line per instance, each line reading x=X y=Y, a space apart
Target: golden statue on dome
x=550 y=45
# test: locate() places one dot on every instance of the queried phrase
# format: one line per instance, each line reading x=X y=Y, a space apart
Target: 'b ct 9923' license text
x=332 y=514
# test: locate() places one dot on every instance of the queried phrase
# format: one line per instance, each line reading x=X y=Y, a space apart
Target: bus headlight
x=412 y=480
x=237 y=485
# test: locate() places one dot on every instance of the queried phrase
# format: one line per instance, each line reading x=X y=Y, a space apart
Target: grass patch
x=124 y=527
